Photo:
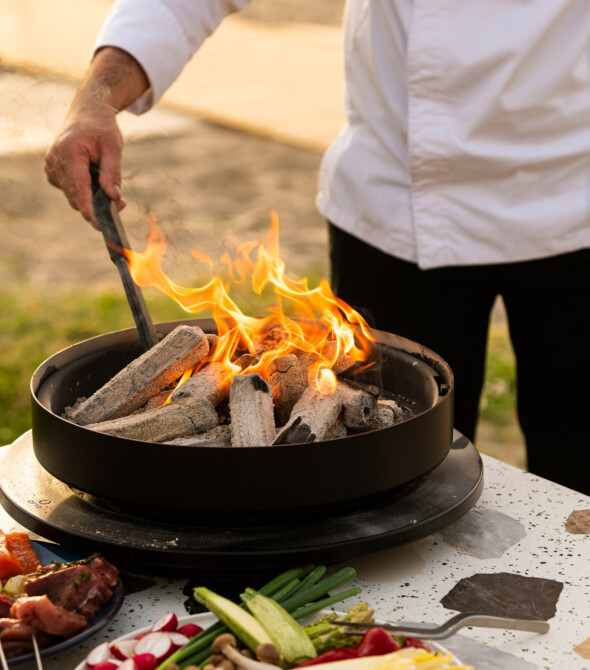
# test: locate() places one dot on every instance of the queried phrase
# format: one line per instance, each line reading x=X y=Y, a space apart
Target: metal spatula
x=114 y=234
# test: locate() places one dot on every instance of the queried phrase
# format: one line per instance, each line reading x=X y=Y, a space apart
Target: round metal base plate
x=51 y=509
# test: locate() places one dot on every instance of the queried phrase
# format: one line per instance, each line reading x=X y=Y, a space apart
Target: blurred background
x=241 y=132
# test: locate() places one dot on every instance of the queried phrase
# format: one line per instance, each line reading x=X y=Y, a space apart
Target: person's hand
x=90 y=133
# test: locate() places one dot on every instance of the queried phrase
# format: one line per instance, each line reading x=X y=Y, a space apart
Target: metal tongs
x=450 y=627
x=4 y=662
x=114 y=235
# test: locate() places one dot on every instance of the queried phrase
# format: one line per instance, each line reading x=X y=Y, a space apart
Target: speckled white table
x=525 y=544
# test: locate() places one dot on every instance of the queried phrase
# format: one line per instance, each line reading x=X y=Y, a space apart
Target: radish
x=129 y=664
x=108 y=665
x=159 y=644
x=123 y=650
x=189 y=629
x=140 y=635
x=178 y=640
x=168 y=622
x=145 y=662
x=98 y=655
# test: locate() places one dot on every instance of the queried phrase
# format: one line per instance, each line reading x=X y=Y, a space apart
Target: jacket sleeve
x=162 y=36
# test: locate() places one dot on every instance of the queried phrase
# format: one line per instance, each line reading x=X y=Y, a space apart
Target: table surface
x=523 y=548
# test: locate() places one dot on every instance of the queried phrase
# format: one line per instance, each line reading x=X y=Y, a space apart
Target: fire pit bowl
x=244 y=485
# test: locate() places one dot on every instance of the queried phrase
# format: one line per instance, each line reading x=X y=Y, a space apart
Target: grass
x=500 y=384
x=33 y=328
x=498 y=431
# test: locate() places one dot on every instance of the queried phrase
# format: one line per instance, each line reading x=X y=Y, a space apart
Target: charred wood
x=210 y=383
x=269 y=340
x=337 y=430
x=246 y=360
x=343 y=361
x=213 y=339
x=157 y=400
x=179 y=419
x=387 y=414
x=252 y=411
x=220 y=436
x=359 y=404
x=312 y=417
x=288 y=376
x=145 y=377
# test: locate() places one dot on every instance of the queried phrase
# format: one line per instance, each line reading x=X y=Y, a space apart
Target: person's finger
x=121 y=204
x=84 y=196
x=52 y=168
x=110 y=170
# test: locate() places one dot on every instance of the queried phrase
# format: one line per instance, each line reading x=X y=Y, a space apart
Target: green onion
x=284 y=578
x=286 y=591
x=314 y=576
x=302 y=597
x=297 y=590
x=326 y=602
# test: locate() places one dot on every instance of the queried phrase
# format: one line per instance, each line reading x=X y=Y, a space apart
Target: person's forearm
x=114 y=79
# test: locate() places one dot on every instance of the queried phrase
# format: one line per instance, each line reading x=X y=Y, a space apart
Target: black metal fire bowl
x=249 y=485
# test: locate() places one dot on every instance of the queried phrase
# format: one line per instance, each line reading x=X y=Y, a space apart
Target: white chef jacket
x=468 y=134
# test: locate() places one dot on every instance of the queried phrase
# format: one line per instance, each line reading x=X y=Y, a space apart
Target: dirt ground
x=201 y=185
x=328 y=12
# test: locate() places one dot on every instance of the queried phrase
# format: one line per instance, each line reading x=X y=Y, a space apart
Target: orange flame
x=299 y=319
x=186 y=375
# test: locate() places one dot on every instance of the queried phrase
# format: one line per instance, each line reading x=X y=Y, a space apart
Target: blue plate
x=49 y=553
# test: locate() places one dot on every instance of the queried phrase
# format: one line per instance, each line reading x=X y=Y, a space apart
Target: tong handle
x=107 y=217
x=455 y=623
x=116 y=239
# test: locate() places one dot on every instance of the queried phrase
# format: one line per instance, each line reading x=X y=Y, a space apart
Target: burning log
x=359 y=404
x=210 y=383
x=246 y=360
x=220 y=436
x=342 y=363
x=312 y=417
x=288 y=376
x=252 y=411
x=269 y=340
x=179 y=419
x=144 y=377
x=213 y=339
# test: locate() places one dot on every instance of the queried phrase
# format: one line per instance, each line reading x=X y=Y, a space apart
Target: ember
x=275 y=379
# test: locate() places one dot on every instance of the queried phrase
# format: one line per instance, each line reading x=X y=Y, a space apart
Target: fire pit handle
x=116 y=239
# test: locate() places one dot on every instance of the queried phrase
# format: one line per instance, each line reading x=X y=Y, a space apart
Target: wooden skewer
x=4 y=662
x=3 y=658
x=37 y=654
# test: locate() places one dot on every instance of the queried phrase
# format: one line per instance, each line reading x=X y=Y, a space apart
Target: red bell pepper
x=414 y=642
x=375 y=642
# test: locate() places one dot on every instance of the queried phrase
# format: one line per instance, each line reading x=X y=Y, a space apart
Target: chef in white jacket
x=463 y=173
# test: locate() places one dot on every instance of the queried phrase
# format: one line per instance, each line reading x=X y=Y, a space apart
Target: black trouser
x=448 y=310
